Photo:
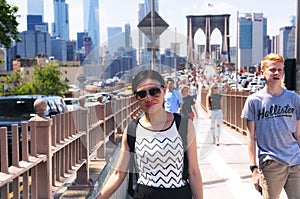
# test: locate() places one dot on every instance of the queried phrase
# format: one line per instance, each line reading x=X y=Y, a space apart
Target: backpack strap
x=182 y=125
x=131 y=133
x=181 y=122
x=131 y=136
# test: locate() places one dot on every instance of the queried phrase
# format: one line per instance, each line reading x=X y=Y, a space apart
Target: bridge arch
x=208 y=23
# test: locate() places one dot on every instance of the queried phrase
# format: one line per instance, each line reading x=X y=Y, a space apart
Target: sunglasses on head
x=154 y=92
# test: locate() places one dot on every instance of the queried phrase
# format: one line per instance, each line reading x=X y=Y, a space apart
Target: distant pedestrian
x=40 y=107
x=188 y=106
x=273 y=120
x=100 y=99
x=158 y=148
x=193 y=90
x=172 y=100
x=82 y=101
x=214 y=108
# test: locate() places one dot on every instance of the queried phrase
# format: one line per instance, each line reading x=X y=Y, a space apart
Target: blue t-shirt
x=275 y=120
x=172 y=101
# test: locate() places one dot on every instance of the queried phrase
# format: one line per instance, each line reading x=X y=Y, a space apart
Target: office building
x=141 y=15
x=35 y=7
x=144 y=54
x=148 y=6
x=80 y=36
x=33 y=43
x=35 y=10
x=35 y=22
x=71 y=51
x=287 y=42
x=252 y=38
x=91 y=20
x=60 y=27
x=127 y=36
x=115 y=39
x=59 y=49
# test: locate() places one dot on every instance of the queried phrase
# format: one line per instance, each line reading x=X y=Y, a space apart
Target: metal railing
x=55 y=150
x=233 y=103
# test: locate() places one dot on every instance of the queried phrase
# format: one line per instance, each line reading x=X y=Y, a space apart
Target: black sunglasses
x=154 y=92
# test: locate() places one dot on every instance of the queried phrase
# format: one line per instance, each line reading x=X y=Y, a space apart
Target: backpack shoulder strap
x=131 y=137
x=181 y=122
x=131 y=133
x=182 y=125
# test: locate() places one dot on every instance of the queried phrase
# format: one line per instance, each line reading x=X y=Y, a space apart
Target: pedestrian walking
x=188 y=106
x=158 y=148
x=214 y=108
x=273 y=120
x=172 y=99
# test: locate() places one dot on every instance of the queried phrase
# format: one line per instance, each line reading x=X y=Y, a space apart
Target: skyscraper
x=60 y=27
x=144 y=9
x=35 y=10
x=35 y=7
x=91 y=20
x=33 y=43
x=127 y=36
x=115 y=39
x=141 y=15
x=252 y=40
x=287 y=41
x=148 y=6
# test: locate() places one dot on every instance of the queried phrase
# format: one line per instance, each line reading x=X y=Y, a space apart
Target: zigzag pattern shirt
x=159 y=157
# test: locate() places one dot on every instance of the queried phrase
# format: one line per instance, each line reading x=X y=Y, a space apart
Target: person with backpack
x=161 y=145
x=188 y=106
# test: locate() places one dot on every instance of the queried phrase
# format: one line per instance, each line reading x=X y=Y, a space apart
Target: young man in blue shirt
x=273 y=121
x=172 y=100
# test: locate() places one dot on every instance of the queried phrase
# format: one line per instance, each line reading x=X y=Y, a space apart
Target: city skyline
x=278 y=15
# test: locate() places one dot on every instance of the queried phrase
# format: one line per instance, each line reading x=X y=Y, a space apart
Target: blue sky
x=119 y=12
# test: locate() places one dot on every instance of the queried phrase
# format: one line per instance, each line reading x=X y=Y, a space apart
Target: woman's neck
x=156 y=119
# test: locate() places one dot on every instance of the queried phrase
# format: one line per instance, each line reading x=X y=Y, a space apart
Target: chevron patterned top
x=159 y=157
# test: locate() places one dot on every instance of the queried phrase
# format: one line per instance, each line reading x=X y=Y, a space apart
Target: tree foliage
x=47 y=80
x=8 y=23
x=15 y=81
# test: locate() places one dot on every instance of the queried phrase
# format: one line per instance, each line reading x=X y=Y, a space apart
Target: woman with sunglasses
x=214 y=109
x=158 y=148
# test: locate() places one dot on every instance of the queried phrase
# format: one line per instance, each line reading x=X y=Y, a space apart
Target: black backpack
x=181 y=122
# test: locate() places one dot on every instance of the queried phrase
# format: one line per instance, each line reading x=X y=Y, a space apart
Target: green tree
x=8 y=23
x=47 y=80
x=15 y=81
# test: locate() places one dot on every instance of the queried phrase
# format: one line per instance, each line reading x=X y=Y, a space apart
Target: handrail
x=55 y=150
x=233 y=103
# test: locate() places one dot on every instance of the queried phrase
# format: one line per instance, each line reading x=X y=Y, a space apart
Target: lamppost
x=237 y=49
x=298 y=46
x=238 y=43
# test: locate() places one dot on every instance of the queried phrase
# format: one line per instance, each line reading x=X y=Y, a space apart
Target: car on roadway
x=71 y=103
x=16 y=109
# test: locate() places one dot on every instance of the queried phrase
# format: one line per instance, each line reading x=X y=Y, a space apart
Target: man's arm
x=298 y=132
x=251 y=140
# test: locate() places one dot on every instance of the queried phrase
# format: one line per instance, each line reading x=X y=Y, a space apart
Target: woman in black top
x=188 y=107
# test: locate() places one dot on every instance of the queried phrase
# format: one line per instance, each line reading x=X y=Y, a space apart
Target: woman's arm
x=194 y=110
x=118 y=176
x=195 y=178
x=208 y=108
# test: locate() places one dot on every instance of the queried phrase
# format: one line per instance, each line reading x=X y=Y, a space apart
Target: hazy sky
x=174 y=12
